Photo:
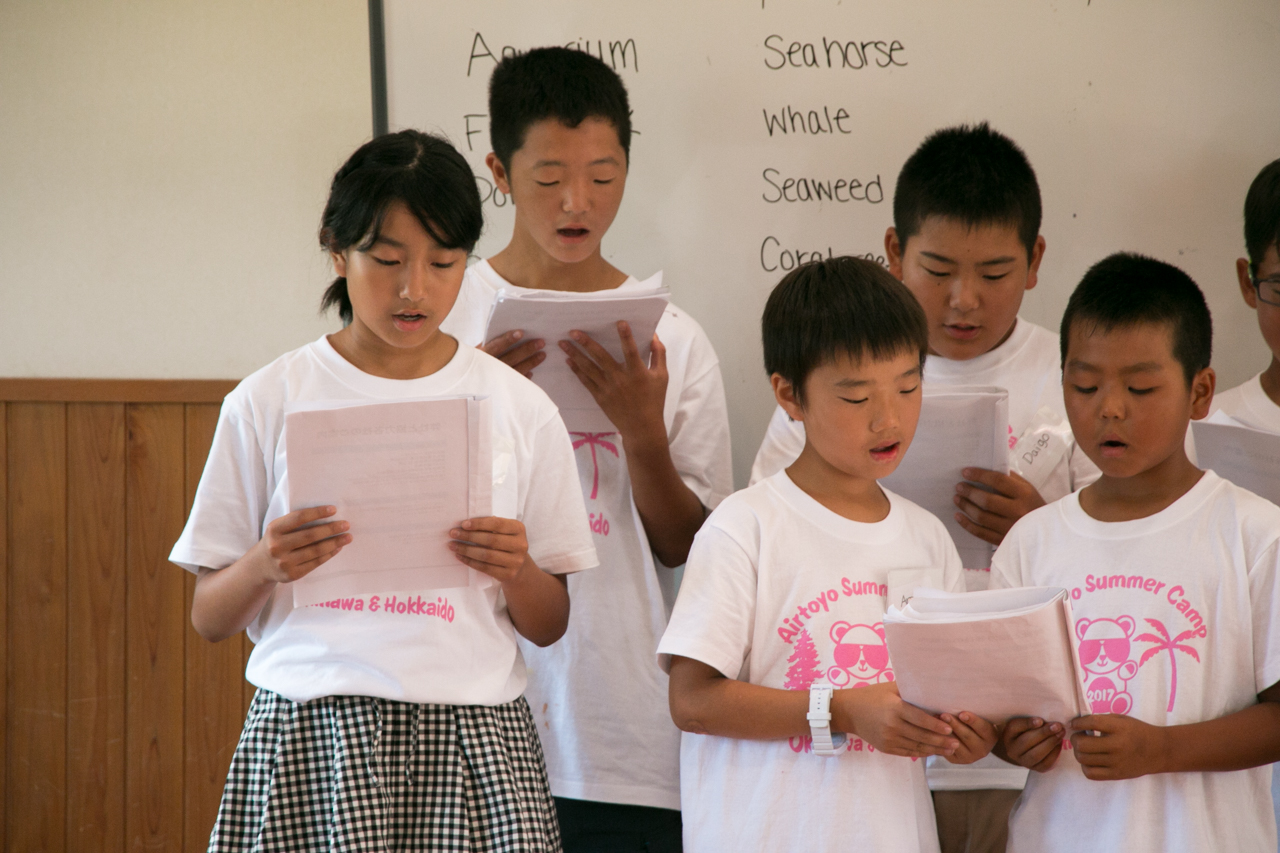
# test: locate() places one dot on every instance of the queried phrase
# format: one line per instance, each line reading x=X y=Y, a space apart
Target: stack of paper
x=960 y=427
x=402 y=474
x=552 y=314
x=997 y=653
x=1248 y=457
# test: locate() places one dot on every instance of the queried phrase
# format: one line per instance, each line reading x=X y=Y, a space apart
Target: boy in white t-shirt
x=1257 y=402
x=1174 y=576
x=776 y=640
x=560 y=127
x=965 y=241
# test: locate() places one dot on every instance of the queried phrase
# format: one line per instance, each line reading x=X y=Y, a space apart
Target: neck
x=524 y=263
x=1142 y=495
x=1270 y=380
x=358 y=345
x=855 y=498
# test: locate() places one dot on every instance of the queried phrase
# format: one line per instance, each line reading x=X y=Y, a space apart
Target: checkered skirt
x=355 y=773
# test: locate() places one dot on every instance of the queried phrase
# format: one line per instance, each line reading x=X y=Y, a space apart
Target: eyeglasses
x=1268 y=290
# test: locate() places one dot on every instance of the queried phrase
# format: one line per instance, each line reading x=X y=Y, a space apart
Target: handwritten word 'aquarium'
x=618 y=54
x=833 y=53
x=842 y=190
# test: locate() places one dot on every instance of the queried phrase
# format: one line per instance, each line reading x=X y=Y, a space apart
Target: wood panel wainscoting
x=119 y=721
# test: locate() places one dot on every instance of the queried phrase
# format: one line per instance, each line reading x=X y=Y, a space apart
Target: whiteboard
x=1145 y=123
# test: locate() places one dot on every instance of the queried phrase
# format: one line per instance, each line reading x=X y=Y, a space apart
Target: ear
x=500 y=177
x=1082 y=625
x=1202 y=385
x=1127 y=624
x=893 y=252
x=785 y=393
x=1033 y=269
x=339 y=263
x=1246 y=283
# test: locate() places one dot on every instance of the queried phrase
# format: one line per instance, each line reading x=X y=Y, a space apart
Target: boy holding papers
x=1172 y=573
x=784 y=596
x=561 y=131
x=965 y=241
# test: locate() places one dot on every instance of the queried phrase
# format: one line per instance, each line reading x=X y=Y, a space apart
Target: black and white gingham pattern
x=353 y=774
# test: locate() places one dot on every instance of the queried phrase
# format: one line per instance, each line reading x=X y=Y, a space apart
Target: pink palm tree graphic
x=592 y=440
x=1163 y=644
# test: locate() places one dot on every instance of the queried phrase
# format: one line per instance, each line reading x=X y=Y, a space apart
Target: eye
x=855 y=402
x=911 y=390
x=386 y=262
x=934 y=273
x=1082 y=389
x=604 y=180
x=995 y=276
x=1140 y=391
x=546 y=183
x=443 y=265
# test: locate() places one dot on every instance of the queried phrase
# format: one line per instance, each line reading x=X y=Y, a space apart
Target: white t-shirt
x=1250 y=405
x=450 y=646
x=599 y=700
x=781 y=591
x=1178 y=616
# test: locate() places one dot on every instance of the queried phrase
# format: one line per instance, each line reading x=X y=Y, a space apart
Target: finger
x=471 y=554
x=1106 y=723
x=582 y=364
x=657 y=355
x=526 y=367
x=599 y=354
x=923 y=720
x=1018 y=725
x=321 y=551
x=986 y=534
x=992 y=479
x=1038 y=754
x=978 y=726
x=492 y=541
x=525 y=351
x=291 y=521
x=588 y=374
x=307 y=568
x=499 y=345
x=630 y=350
x=991 y=503
x=493 y=524
x=291 y=542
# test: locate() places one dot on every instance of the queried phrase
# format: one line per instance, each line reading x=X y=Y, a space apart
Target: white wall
x=163 y=165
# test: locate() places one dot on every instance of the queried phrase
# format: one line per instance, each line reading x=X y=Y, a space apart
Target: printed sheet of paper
x=1248 y=457
x=959 y=428
x=998 y=653
x=402 y=474
x=551 y=315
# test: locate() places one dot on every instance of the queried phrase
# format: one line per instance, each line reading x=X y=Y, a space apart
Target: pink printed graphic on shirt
x=1104 y=654
x=861 y=655
x=1164 y=644
x=804 y=669
x=593 y=440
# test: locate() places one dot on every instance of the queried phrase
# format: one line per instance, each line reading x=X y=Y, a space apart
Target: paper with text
x=1248 y=457
x=960 y=427
x=552 y=314
x=998 y=653
x=402 y=474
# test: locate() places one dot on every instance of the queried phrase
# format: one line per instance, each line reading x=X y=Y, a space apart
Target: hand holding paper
x=522 y=357
x=631 y=393
x=296 y=543
x=878 y=715
x=990 y=508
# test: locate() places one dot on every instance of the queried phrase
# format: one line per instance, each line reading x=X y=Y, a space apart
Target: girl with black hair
x=391 y=721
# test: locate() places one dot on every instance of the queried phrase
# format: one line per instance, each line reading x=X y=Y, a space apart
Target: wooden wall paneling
x=96 y=626
x=156 y=628
x=4 y=620
x=214 y=675
x=37 y=628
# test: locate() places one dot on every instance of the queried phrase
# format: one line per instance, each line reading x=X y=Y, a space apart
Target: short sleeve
x=699 y=435
x=1264 y=597
x=552 y=509
x=231 y=501
x=783 y=442
x=715 y=609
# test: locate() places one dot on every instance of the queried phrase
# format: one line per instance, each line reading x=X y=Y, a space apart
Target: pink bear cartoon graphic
x=860 y=654
x=1104 y=654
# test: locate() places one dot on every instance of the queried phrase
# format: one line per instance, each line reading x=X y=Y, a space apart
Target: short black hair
x=1262 y=214
x=424 y=172
x=1127 y=289
x=838 y=306
x=971 y=174
x=567 y=85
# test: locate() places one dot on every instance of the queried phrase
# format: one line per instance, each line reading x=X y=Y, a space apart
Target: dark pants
x=590 y=827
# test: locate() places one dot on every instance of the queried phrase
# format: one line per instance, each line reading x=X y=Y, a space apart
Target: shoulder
x=746 y=514
x=1238 y=510
x=488 y=375
x=269 y=387
x=918 y=524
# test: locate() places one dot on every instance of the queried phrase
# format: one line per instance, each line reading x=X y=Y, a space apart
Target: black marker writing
x=843 y=190
x=833 y=54
x=620 y=55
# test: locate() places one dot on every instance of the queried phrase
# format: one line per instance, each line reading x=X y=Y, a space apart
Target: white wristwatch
x=824 y=742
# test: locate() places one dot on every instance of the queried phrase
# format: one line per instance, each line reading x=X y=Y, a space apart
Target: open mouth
x=573 y=233
x=962 y=331
x=409 y=320
x=886 y=452
x=1113 y=447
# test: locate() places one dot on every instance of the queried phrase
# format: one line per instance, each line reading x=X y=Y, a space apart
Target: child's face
x=402 y=286
x=970 y=281
x=859 y=414
x=566 y=184
x=1127 y=397
x=1268 y=275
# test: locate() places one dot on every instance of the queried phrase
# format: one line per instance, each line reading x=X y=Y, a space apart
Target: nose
x=964 y=293
x=415 y=281
x=576 y=198
x=1112 y=403
x=885 y=416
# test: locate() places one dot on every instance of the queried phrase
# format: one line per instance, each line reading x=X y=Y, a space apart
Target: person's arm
x=1127 y=748
x=989 y=514
x=632 y=395
x=227 y=600
x=704 y=701
x=537 y=602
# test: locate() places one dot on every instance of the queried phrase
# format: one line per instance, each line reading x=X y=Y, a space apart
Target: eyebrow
x=603 y=161
x=1003 y=259
x=1140 y=367
x=382 y=238
x=854 y=383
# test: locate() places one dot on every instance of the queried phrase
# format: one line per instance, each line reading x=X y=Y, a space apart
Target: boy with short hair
x=965 y=241
x=785 y=590
x=1174 y=576
x=561 y=130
